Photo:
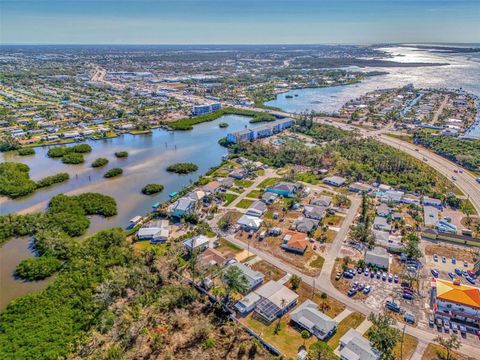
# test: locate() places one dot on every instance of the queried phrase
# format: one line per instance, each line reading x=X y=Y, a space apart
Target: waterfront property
x=155 y=231
x=205 y=109
x=308 y=317
x=267 y=130
x=196 y=243
x=182 y=207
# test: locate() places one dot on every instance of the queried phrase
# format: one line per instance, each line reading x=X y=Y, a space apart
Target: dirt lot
x=449 y=251
x=271 y=272
x=309 y=263
x=432 y=353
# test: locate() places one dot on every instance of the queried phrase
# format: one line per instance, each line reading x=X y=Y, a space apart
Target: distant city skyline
x=239 y=22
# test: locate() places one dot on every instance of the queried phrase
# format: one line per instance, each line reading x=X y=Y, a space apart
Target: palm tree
x=234 y=281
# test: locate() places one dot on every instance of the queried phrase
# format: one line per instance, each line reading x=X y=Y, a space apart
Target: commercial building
x=456 y=303
x=308 y=317
x=267 y=130
x=205 y=109
x=378 y=257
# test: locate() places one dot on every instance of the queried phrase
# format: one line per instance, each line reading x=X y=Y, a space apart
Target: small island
x=151 y=189
x=72 y=158
x=38 y=268
x=113 y=172
x=121 y=154
x=182 y=168
x=26 y=151
x=223 y=125
x=99 y=162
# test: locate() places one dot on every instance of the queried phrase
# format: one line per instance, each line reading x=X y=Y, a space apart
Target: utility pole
x=403 y=338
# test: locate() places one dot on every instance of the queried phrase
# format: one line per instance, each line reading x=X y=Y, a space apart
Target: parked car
x=378 y=274
x=463 y=330
x=454 y=327
x=470 y=280
x=372 y=274
x=464 y=273
x=351 y=292
x=361 y=287
x=339 y=275
x=367 y=289
x=434 y=273
x=392 y=306
x=454 y=261
x=408 y=291
x=444 y=259
x=408 y=296
x=366 y=272
x=359 y=270
x=458 y=272
x=451 y=274
x=471 y=273
x=435 y=257
x=347 y=275
x=384 y=276
x=431 y=321
x=446 y=327
x=395 y=278
x=409 y=318
x=465 y=263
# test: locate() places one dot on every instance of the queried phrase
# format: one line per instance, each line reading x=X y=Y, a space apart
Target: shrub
x=121 y=154
x=54 y=179
x=26 y=151
x=37 y=268
x=99 y=162
x=150 y=189
x=72 y=158
x=113 y=172
x=15 y=180
x=182 y=168
x=57 y=152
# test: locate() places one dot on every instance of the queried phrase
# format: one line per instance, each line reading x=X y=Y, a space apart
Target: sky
x=238 y=21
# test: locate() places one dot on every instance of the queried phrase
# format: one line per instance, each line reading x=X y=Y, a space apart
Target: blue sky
x=238 y=21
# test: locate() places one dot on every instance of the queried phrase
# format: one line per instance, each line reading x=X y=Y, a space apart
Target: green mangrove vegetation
x=182 y=168
x=37 y=268
x=26 y=151
x=113 y=172
x=121 y=154
x=99 y=162
x=150 y=189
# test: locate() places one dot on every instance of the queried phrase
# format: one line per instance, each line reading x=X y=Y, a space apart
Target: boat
x=288 y=96
x=135 y=220
x=156 y=205
x=173 y=194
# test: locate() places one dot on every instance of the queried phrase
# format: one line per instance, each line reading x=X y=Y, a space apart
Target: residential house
x=238 y=174
x=314 y=212
x=253 y=277
x=392 y=196
x=383 y=210
x=196 y=195
x=308 y=317
x=359 y=187
x=212 y=257
x=275 y=300
x=155 y=231
x=334 y=181
x=227 y=182
x=247 y=303
x=381 y=223
x=295 y=242
x=305 y=225
x=212 y=187
x=197 y=243
x=248 y=222
x=354 y=346
x=269 y=197
x=182 y=207
x=283 y=188
x=323 y=200
x=428 y=201
x=378 y=257
x=257 y=209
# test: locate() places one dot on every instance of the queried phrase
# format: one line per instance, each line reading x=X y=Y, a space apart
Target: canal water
x=149 y=155
x=462 y=71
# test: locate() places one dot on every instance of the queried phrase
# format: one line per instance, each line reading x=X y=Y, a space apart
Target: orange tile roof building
x=457 y=303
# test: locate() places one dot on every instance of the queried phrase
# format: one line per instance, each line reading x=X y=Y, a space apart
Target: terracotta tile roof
x=298 y=241
x=460 y=294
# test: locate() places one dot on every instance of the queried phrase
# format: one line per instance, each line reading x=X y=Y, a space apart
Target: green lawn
x=237 y=190
x=350 y=322
x=229 y=198
x=243 y=183
x=224 y=245
x=317 y=263
x=268 y=182
x=244 y=203
x=255 y=194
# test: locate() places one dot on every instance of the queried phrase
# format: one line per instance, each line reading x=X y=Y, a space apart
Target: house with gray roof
x=257 y=209
x=182 y=207
x=381 y=223
x=334 y=181
x=269 y=197
x=378 y=257
x=283 y=188
x=308 y=317
x=275 y=300
x=354 y=346
x=323 y=200
x=305 y=225
x=253 y=277
x=314 y=212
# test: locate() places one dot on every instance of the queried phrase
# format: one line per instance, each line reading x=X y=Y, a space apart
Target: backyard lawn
x=270 y=271
x=229 y=198
x=268 y=182
x=255 y=194
x=244 y=203
x=350 y=322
